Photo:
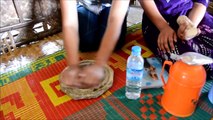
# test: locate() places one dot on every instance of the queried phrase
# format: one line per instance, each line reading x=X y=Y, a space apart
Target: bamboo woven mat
x=33 y=92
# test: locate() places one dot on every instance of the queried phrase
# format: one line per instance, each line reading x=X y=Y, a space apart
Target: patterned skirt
x=202 y=43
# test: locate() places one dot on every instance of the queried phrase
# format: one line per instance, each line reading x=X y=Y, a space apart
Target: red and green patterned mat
x=33 y=92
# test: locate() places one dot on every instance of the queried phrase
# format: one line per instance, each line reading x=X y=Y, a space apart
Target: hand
x=70 y=75
x=187 y=31
x=166 y=39
x=91 y=76
x=182 y=30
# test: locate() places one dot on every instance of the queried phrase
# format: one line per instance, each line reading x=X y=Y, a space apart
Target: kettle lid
x=189 y=75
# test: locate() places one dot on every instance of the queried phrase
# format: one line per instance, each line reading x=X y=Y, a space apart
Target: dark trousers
x=92 y=28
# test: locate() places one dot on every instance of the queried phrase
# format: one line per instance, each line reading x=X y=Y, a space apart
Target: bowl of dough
x=78 y=93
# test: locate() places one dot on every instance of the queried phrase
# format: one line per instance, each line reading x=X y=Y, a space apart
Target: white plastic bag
x=192 y=58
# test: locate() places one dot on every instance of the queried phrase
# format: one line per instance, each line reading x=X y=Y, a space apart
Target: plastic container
x=211 y=95
x=187 y=77
x=182 y=91
x=134 y=73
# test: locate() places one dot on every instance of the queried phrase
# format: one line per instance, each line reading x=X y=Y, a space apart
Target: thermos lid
x=188 y=75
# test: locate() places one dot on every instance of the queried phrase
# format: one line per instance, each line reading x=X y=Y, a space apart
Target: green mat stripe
x=32 y=67
x=134 y=28
x=154 y=95
x=11 y=76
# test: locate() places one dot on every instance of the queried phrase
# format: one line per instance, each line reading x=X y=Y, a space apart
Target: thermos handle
x=162 y=71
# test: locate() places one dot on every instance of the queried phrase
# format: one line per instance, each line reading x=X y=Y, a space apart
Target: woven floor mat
x=33 y=91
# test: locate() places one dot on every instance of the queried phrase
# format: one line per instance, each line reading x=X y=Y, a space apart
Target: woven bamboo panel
x=24 y=21
x=30 y=9
x=49 y=7
x=8 y=13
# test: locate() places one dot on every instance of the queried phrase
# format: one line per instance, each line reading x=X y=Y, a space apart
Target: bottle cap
x=136 y=49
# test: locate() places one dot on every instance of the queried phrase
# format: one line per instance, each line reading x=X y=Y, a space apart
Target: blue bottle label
x=134 y=75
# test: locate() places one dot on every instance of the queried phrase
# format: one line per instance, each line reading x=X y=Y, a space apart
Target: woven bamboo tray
x=76 y=93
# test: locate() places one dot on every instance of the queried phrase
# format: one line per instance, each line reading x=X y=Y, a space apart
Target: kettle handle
x=162 y=71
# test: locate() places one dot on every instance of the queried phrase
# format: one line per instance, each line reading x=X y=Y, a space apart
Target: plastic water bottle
x=134 y=73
